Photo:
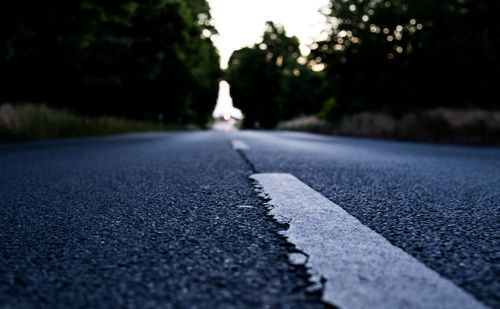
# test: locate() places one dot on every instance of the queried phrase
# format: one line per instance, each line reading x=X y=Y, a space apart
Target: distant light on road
x=224 y=106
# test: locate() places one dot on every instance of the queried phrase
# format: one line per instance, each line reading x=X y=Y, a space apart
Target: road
x=172 y=220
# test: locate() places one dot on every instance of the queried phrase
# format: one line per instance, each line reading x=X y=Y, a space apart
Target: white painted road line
x=362 y=269
x=237 y=144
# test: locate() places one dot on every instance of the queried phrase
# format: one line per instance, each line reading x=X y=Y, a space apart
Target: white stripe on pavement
x=362 y=269
x=237 y=144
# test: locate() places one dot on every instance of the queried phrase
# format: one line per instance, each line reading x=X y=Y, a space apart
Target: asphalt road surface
x=172 y=220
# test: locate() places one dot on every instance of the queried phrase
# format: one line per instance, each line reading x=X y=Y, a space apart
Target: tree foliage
x=269 y=84
x=138 y=59
x=397 y=56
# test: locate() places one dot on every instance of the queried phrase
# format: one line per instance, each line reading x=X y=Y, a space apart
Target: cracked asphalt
x=139 y=221
x=171 y=220
x=439 y=203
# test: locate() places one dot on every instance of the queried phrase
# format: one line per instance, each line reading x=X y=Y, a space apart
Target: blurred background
x=409 y=69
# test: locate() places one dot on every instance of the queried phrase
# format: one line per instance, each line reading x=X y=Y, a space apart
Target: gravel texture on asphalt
x=139 y=221
x=439 y=203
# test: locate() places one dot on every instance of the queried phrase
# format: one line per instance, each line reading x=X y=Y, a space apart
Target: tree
x=138 y=59
x=269 y=84
x=400 y=55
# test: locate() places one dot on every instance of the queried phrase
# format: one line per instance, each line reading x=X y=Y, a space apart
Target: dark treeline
x=138 y=59
x=269 y=84
x=390 y=56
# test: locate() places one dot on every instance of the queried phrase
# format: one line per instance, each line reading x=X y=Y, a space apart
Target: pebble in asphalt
x=139 y=221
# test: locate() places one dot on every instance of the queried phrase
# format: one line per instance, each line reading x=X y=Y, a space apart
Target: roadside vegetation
x=424 y=70
x=140 y=60
x=409 y=69
x=479 y=127
x=34 y=122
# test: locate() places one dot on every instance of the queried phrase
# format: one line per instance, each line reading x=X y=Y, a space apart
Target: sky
x=241 y=23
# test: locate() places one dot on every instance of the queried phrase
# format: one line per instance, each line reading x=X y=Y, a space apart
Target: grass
x=306 y=123
x=35 y=122
x=471 y=126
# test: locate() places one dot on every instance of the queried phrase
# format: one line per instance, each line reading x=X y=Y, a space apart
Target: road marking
x=245 y=206
x=361 y=268
x=237 y=144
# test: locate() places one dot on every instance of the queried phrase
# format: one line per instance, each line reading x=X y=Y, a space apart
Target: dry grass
x=447 y=125
x=438 y=125
x=35 y=122
x=368 y=125
x=306 y=123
